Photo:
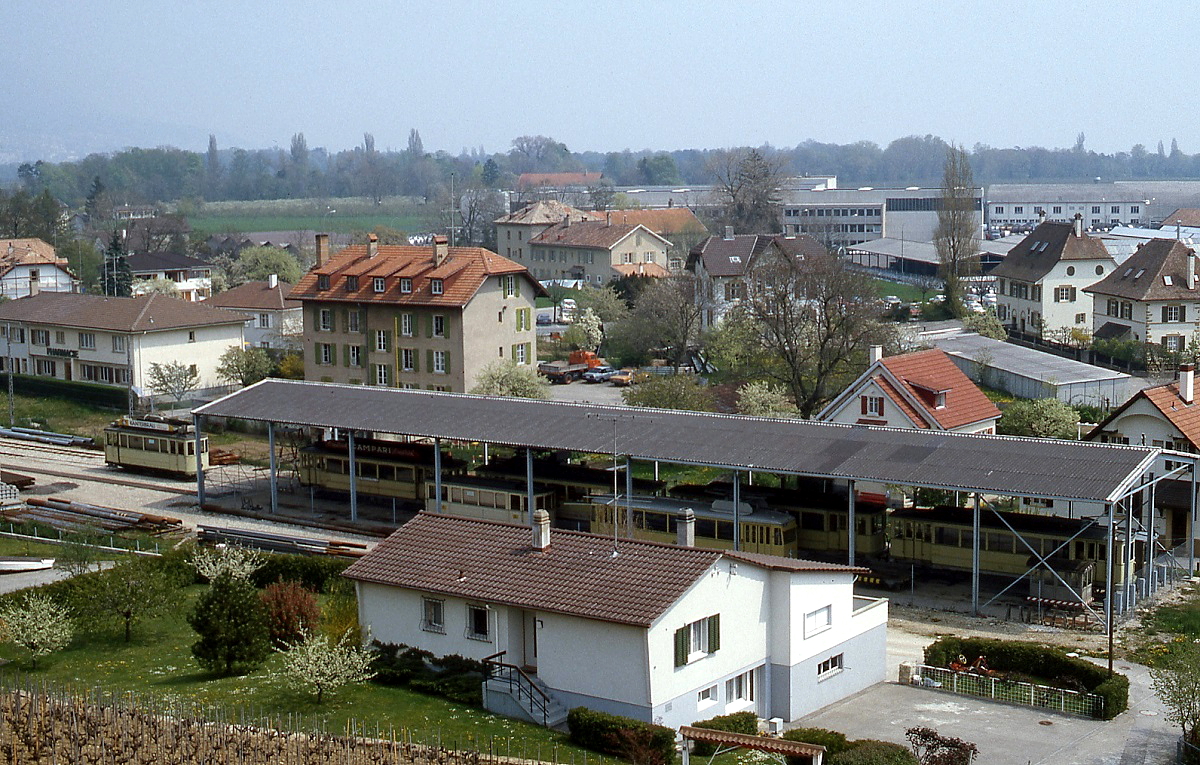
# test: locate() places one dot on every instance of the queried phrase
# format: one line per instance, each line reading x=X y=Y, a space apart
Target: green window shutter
x=363 y=355
x=514 y=352
x=317 y=353
x=529 y=353
x=1182 y=313
x=446 y=356
x=416 y=360
x=387 y=339
x=429 y=327
x=333 y=320
x=429 y=360
x=714 y=633
x=681 y=646
x=345 y=355
x=516 y=286
x=1164 y=314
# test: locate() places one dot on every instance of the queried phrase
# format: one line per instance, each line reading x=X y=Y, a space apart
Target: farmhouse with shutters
x=1151 y=298
x=414 y=317
x=681 y=633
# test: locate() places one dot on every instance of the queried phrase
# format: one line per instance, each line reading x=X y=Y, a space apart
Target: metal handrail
x=516 y=677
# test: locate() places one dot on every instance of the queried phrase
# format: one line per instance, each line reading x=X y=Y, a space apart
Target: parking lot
x=587 y=393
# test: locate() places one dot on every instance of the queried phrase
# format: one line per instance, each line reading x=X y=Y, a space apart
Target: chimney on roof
x=1079 y=224
x=729 y=233
x=1191 y=269
x=685 y=529
x=35 y=284
x=608 y=218
x=272 y=281
x=567 y=221
x=372 y=245
x=876 y=353
x=322 y=249
x=1178 y=231
x=1187 y=382
x=1041 y=215
x=541 y=530
x=441 y=249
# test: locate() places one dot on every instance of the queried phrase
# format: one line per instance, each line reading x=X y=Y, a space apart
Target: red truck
x=572 y=369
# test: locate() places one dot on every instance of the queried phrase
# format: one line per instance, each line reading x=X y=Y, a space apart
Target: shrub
x=232 y=626
x=452 y=677
x=1040 y=661
x=292 y=611
x=316 y=573
x=605 y=733
x=833 y=741
x=738 y=722
x=871 y=752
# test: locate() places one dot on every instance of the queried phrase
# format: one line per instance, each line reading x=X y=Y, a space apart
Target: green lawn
x=59 y=415
x=906 y=292
x=158 y=662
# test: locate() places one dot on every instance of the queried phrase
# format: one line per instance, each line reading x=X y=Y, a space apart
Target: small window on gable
x=1128 y=271
x=735 y=258
x=322 y=281
x=378 y=284
x=351 y=283
x=435 y=286
x=1167 y=279
x=406 y=286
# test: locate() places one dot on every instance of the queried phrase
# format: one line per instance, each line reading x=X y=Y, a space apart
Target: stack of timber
x=223 y=457
x=68 y=515
x=16 y=479
x=279 y=543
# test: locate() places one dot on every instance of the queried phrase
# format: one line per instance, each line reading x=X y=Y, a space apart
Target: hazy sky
x=596 y=76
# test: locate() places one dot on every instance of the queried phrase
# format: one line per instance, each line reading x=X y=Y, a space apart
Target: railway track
x=85 y=465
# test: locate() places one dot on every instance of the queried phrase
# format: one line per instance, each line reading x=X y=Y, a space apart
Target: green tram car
x=492 y=499
x=386 y=469
x=656 y=519
x=820 y=511
x=943 y=537
x=154 y=444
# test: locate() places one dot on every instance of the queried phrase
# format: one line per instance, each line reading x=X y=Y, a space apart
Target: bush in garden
x=610 y=734
x=738 y=722
x=291 y=612
x=232 y=624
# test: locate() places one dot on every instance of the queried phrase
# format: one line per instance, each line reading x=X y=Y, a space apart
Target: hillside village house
x=273 y=320
x=1040 y=284
x=720 y=264
x=924 y=390
x=679 y=225
x=114 y=340
x=1150 y=298
x=30 y=266
x=662 y=633
x=597 y=252
x=515 y=230
x=414 y=317
x=192 y=276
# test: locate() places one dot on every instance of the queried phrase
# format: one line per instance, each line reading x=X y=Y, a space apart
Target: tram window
x=812 y=521
x=515 y=502
x=706 y=528
x=967 y=539
x=1080 y=549
x=724 y=530
x=656 y=521
x=405 y=475
x=386 y=472
x=110 y=438
x=906 y=530
x=999 y=542
x=789 y=537
x=1050 y=545
x=191 y=447
x=751 y=534
x=945 y=536
x=365 y=470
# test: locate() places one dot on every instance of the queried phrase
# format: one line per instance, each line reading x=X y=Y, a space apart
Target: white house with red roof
x=414 y=317
x=914 y=390
x=30 y=266
x=272 y=319
x=662 y=633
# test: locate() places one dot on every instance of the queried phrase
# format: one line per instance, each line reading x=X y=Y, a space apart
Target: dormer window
x=435 y=286
x=322 y=281
x=406 y=286
x=351 y=283
x=378 y=284
x=939 y=400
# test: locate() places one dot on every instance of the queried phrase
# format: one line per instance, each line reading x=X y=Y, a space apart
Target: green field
x=158 y=663
x=906 y=292
x=345 y=224
x=343 y=215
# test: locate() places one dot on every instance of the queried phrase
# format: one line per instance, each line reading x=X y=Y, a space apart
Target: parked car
x=544 y=318
x=599 y=374
x=627 y=377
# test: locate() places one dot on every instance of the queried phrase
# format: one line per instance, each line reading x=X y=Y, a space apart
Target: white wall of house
x=1095 y=214
x=283 y=329
x=201 y=346
x=851 y=411
x=1055 y=309
x=47 y=276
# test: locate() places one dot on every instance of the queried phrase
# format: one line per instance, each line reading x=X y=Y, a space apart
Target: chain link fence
x=1008 y=691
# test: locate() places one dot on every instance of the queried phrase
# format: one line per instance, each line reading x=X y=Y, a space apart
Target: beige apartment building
x=414 y=317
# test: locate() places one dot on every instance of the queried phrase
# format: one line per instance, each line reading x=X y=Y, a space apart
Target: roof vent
x=541 y=530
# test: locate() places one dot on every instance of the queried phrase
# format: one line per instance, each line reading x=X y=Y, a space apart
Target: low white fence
x=999 y=689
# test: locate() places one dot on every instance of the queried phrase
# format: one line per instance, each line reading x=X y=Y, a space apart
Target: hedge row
x=315 y=572
x=1029 y=658
x=841 y=751
x=614 y=734
x=106 y=396
x=738 y=722
x=452 y=677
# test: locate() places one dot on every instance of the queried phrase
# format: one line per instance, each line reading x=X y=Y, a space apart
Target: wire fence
x=43 y=723
x=100 y=541
x=1010 y=691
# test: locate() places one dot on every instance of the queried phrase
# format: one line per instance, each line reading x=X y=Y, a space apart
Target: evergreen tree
x=491 y=174
x=116 y=279
x=232 y=623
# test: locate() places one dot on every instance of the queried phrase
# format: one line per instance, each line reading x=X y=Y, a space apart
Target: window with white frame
x=381 y=340
x=383 y=375
x=325 y=320
x=1173 y=343
x=407 y=359
x=520 y=354
x=322 y=281
x=740 y=688
x=45 y=367
x=264 y=321
x=439 y=362
x=510 y=285
x=872 y=406
x=192 y=336
x=817 y=621
x=39 y=336
x=433 y=615
x=698 y=639
x=1064 y=294
x=439 y=326
x=118 y=344
x=406 y=324
x=353 y=321
x=706 y=696
x=406 y=285
x=1172 y=314
x=355 y=355
x=830 y=665
x=60 y=337
x=378 y=284
x=478 y=623
x=325 y=353
x=436 y=286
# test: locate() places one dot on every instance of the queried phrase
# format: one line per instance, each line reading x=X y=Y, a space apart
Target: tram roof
x=967 y=462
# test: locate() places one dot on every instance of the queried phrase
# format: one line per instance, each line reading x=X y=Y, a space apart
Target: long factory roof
x=968 y=462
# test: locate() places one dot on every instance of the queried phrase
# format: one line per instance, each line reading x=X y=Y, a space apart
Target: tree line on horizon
x=144 y=176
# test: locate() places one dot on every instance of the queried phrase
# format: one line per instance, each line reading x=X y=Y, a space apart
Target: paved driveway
x=1010 y=735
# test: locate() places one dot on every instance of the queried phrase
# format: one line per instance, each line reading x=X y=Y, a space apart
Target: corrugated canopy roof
x=995 y=464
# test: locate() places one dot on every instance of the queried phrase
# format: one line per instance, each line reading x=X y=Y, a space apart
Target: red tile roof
x=546 y=212
x=1187 y=216
x=147 y=313
x=462 y=273
x=28 y=252
x=925 y=372
x=259 y=296
x=666 y=221
x=1165 y=398
x=589 y=234
x=577 y=575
